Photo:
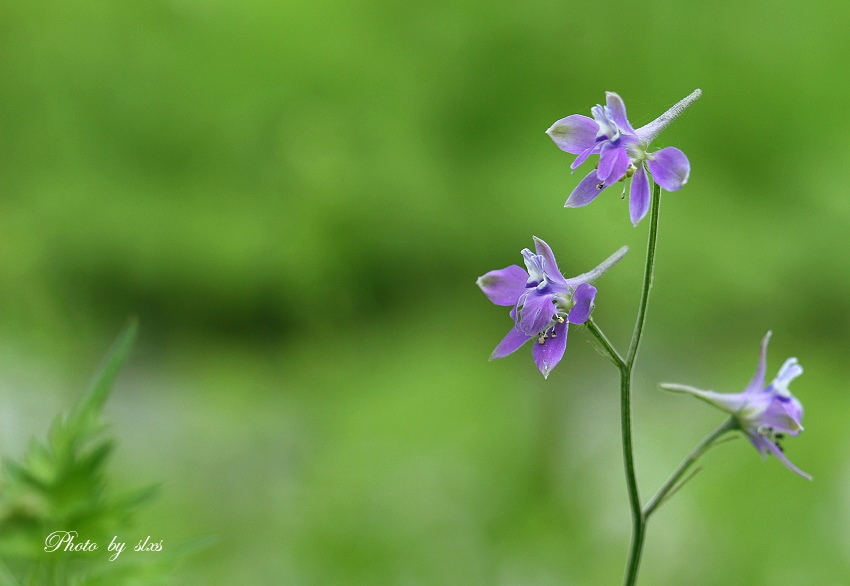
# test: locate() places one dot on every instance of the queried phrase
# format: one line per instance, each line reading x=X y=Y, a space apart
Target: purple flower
x=622 y=153
x=542 y=303
x=764 y=414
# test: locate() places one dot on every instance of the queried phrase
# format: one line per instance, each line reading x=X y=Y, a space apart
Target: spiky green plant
x=62 y=485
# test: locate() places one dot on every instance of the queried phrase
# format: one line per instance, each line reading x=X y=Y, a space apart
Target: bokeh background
x=296 y=199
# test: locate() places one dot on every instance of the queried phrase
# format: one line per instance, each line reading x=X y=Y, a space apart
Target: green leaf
x=102 y=383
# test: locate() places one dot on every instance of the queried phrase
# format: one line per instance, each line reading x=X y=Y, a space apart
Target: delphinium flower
x=765 y=414
x=622 y=153
x=543 y=303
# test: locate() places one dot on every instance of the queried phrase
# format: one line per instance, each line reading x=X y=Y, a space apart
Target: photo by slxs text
x=67 y=541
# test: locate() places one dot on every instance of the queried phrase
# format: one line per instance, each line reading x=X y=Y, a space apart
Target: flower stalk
x=638 y=518
x=701 y=448
x=640 y=513
x=626 y=366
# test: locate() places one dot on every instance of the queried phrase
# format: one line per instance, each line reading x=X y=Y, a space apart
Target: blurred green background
x=296 y=199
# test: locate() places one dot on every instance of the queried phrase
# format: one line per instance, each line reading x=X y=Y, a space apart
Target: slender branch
x=679 y=486
x=707 y=442
x=638 y=517
x=606 y=344
x=725 y=441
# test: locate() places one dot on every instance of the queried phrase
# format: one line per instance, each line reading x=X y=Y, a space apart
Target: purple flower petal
x=551 y=266
x=534 y=266
x=789 y=371
x=639 y=196
x=584 y=154
x=783 y=416
x=757 y=383
x=548 y=354
x=505 y=286
x=583 y=298
x=586 y=191
x=613 y=163
x=574 y=134
x=670 y=168
x=764 y=445
x=510 y=344
x=536 y=313
x=794 y=409
x=760 y=442
x=608 y=129
x=617 y=108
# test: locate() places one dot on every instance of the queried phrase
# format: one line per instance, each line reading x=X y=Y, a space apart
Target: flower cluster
x=542 y=302
x=765 y=414
x=622 y=153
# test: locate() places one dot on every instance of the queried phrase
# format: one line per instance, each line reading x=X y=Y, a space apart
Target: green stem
x=638 y=518
x=695 y=454
x=606 y=344
x=640 y=515
x=647 y=276
x=626 y=366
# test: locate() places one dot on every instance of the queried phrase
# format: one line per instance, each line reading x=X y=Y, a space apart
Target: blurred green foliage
x=296 y=200
x=60 y=488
